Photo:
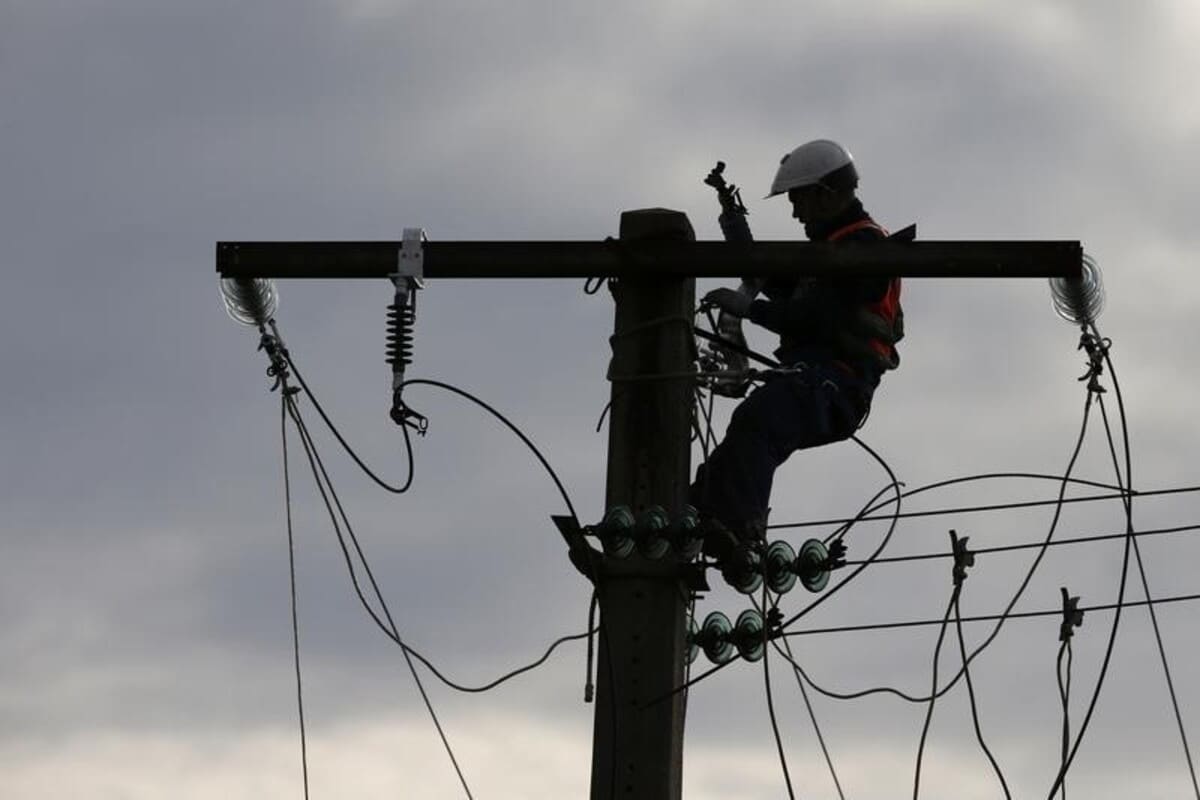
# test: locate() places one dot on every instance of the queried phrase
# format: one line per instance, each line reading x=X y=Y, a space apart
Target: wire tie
x=963 y=557
x=1072 y=616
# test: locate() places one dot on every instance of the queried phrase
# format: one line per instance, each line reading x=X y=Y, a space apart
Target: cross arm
x=614 y=259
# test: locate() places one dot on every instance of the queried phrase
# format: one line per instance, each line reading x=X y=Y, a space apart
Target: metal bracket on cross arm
x=411 y=263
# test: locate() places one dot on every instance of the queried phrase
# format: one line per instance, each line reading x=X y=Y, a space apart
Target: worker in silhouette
x=837 y=336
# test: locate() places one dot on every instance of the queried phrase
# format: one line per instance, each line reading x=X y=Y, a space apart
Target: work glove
x=730 y=301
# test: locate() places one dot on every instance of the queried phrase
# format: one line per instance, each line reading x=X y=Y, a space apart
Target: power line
x=881 y=626
x=346 y=446
x=933 y=693
x=506 y=676
x=766 y=657
x=1093 y=343
x=320 y=476
x=973 y=509
x=287 y=495
x=962 y=649
x=1006 y=548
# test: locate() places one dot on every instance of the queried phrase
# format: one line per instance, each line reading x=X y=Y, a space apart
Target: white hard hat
x=809 y=163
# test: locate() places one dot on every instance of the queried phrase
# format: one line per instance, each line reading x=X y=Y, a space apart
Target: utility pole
x=638 y=732
x=637 y=748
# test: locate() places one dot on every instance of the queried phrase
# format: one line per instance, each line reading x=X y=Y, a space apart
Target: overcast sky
x=144 y=617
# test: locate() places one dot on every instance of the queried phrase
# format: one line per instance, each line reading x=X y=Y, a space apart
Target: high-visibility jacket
x=874 y=328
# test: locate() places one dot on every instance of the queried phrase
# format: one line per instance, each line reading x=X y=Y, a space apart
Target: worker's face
x=817 y=203
x=807 y=202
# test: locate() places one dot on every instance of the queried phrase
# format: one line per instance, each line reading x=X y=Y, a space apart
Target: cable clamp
x=1097 y=350
x=963 y=557
x=1072 y=616
x=273 y=345
x=837 y=555
x=401 y=414
x=411 y=263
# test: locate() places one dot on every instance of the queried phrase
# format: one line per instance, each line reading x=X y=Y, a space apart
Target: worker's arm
x=813 y=313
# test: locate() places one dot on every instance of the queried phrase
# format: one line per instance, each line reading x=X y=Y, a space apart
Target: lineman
x=837 y=337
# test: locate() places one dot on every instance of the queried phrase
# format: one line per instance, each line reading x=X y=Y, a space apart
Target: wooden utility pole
x=638 y=746
x=637 y=751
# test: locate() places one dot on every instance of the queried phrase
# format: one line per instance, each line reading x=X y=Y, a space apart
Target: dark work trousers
x=818 y=404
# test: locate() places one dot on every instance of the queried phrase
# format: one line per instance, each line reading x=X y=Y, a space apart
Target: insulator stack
x=401 y=317
x=720 y=639
x=749 y=565
x=1079 y=300
x=651 y=532
x=250 y=301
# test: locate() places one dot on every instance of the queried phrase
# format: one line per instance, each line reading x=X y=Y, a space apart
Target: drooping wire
x=962 y=649
x=1162 y=651
x=508 y=424
x=1130 y=544
x=990 y=507
x=1008 y=548
x=458 y=687
x=1064 y=694
x=896 y=484
x=1112 y=635
x=322 y=479
x=766 y=637
x=786 y=653
x=346 y=446
x=921 y=623
x=800 y=681
x=287 y=498
x=933 y=693
x=1024 y=582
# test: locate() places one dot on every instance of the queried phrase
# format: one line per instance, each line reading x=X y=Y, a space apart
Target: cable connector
x=963 y=558
x=1072 y=616
x=1096 y=349
x=273 y=345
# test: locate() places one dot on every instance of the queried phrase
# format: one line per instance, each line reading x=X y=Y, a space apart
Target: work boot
x=719 y=541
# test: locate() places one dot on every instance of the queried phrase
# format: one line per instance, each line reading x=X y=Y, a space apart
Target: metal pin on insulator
x=685 y=534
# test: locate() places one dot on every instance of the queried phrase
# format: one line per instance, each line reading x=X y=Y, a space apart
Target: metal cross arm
x=615 y=259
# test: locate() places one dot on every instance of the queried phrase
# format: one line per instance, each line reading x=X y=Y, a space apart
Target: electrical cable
x=1007 y=548
x=345 y=445
x=1064 y=694
x=896 y=484
x=870 y=505
x=287 y=499
x=506 y=676
x=766 y=656
x=992 y=507
x=508 y=424
x=1130 y=543
x=804 y=694
x=1029 y=573
x=933 y=693
x=1137 y=552
x=920 y=623
x=320 y=474
x=962 y=649
x=811 y=714
x=686 y=685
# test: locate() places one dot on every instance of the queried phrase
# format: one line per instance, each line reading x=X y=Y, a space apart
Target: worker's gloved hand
x=730 y=301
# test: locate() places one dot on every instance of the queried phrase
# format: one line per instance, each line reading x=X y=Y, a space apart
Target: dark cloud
x=144 y=567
